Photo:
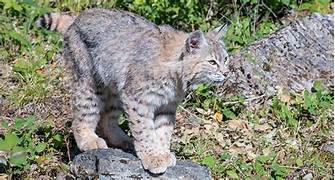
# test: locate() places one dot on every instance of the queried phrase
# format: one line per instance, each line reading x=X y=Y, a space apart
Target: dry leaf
x=193 y=131
x=284 y=96
x=240 y=143
x=281 y=155
x=234 y=124
x=201 y=111
x=218 y=117
x=262 y=127
x=292 y=143
x=251 y=155
x=264 y=178
x=208 y=126
x=40 y=71
x=219 y=137
x=237 y=124
x=237 y=150
x=270 y=135
x=246 y=132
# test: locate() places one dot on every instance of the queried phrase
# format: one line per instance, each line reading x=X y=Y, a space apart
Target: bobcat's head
x=205 y=59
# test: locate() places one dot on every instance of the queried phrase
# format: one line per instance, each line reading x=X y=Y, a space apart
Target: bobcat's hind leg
x=87 y=105
x=108 y=126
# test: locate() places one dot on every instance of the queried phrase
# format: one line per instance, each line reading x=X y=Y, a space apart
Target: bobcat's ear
x=195 y=41
x=220 y=31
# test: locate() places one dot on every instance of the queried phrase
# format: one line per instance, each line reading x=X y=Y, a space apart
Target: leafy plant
x=285 y=113
x=311 y=103
x=26 y=143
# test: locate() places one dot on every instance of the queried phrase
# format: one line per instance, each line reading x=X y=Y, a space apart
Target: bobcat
x=121 y=62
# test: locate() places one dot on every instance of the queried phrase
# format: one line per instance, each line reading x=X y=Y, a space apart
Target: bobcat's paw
x=93 y=143
x=158 y=163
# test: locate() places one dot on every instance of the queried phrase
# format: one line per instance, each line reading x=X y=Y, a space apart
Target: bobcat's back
x=119 y=42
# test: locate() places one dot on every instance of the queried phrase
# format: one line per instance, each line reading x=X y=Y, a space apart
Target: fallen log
x=293 y=58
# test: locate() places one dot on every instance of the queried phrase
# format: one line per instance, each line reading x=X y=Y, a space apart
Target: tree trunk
x=293 y=59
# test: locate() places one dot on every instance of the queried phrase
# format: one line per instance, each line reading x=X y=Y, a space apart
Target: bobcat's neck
x=173 y=45
x=174 y=72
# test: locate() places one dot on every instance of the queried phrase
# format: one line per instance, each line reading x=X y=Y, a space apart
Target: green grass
x=273 y=142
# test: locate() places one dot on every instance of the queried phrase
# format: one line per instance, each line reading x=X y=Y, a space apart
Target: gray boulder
x=106 y=164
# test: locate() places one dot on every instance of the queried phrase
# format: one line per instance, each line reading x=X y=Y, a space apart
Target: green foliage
x=305 y=106
x=236 y=167
x=28 y=50
x=299 y=162
x=232 y=174
x=209 y=161
x=26 y=143
x=318 y=100
x=185 y=14
x=241 y=33
x=191 y=15
x=320 y=6
x=285 y=113
x=204 y=97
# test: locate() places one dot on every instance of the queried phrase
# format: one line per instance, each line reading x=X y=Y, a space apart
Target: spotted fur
x=121 y=62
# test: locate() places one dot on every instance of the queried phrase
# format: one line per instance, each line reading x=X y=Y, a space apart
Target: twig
x=187 y=98
x=267 y=7
x=239 y=170
x=291 y=167
x=236 y=102
x=209 y=11
x=225 y=17
x=67 y=149
x=192 y=114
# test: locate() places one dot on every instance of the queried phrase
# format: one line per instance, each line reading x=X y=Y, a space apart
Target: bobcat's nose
x=224 y=71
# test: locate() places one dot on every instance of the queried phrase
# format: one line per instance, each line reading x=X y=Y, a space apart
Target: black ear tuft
x=194 y=41
x=220 y=31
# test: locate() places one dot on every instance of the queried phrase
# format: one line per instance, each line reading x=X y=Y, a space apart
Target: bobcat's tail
x=55 y=22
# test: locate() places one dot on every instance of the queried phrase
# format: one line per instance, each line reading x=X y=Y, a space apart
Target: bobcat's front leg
x=164 y=125
x=148 y=145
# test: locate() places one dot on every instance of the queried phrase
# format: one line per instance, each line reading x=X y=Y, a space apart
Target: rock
x=64 y=176
x=115 y=164
x=328 y=148
x=293 y=58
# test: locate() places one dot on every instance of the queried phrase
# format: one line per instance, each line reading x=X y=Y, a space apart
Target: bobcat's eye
x=212 y=62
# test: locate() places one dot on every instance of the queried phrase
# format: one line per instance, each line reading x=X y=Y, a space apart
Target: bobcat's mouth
x=218 y=82
x=217 y=79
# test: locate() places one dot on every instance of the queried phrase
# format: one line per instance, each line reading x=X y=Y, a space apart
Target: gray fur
x=122 y=62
